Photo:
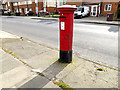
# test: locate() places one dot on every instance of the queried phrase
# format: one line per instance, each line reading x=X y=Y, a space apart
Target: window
x=20 y=10
x=108 y=7
x=79 y=9
x=29 y=2
x=17 y=10
x=36 y=1
x=26 y=10
x=30 y=9
x=15 y=4
x=25 y=2
x=82 y=10
x=18 y=3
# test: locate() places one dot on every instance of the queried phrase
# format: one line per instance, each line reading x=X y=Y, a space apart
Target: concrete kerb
x=41 y=18
x=117 y=23
x=97 y=22
x=81 y=21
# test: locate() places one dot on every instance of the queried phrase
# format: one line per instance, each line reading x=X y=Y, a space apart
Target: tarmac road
x=95 y=42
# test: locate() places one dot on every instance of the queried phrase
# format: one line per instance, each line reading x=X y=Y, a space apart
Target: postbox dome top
x=67 y=8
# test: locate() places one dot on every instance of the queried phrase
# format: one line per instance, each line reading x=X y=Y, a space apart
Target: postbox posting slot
x=62 y=17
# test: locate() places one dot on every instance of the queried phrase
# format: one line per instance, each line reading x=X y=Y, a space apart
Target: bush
x=55 y=16
x=9 y=13
x=57 y=12
x=17 y=14
x=118 y=12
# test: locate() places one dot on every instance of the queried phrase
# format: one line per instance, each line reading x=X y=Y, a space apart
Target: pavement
x=28 y=64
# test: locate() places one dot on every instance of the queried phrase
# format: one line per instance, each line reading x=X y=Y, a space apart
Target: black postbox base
x=65 y=56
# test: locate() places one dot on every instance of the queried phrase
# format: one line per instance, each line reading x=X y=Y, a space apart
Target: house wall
x=103 y=12
x=113 y=9
x=24 y=6
x=40 y=6
x=51 y=9
x=10 y=7
x=75 y=3
x=52 y=4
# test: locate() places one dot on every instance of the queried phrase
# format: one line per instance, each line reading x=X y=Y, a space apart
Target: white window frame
x=36 y=9
x=109 y=6
x=8 y=4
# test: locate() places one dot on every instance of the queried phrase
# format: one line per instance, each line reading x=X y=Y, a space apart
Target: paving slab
x=51 y=85
x=1 y=53
x=14 y=76
x=23 y=48
x=37 y=82
x=43 y=60
x=12 y=70
x=8 y=62
x=86 y=75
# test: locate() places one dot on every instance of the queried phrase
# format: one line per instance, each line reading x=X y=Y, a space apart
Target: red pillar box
x=66 y=32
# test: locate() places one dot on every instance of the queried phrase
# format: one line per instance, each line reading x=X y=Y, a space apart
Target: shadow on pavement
x=113 y=29
x=40 y=81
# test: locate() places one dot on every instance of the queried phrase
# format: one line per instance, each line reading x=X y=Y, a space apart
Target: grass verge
x=63 y=85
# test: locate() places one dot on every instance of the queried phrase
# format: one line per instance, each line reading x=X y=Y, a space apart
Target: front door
x=94 y=10
x=23 y=12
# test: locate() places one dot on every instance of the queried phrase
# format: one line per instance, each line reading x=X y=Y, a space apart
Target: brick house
x=100 y=7
x=74 y=3
x=25 y=6
x=34 y=5
x=109 y=7
x=97 y=8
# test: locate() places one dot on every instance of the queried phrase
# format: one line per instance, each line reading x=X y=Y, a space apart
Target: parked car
x=0 y=12
x=81 y=11
x=42 y=11
x=5 y=12
x=29 y=13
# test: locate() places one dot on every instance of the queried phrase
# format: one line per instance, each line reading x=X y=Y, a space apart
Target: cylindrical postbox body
x=66 y=32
